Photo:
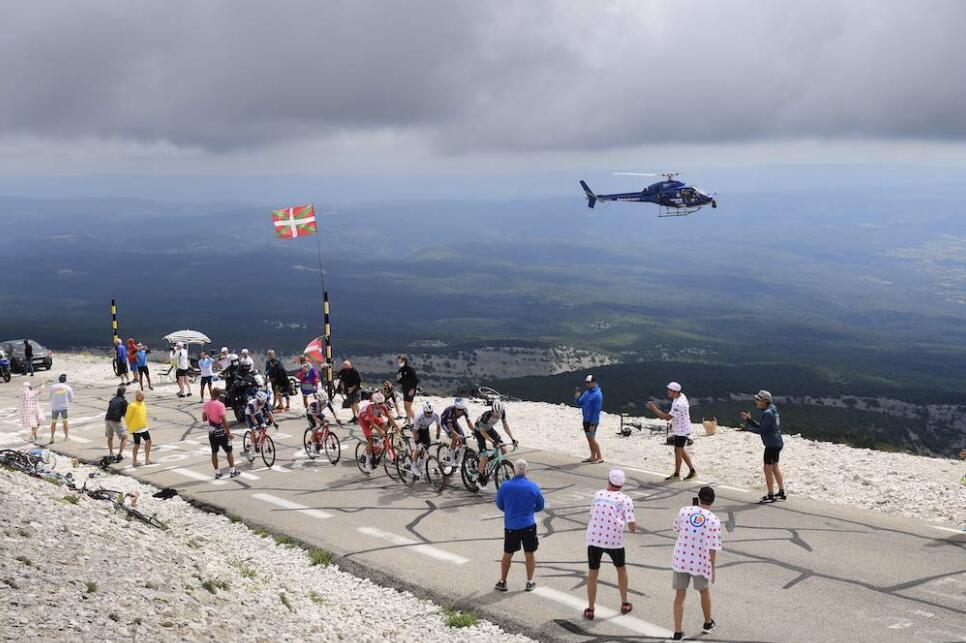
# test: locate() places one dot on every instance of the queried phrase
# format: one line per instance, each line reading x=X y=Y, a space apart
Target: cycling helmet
x=377 y=398
x=322 y=398
x=261 y=396
x=460 y=403
x=427 y=408
x=259 y=379
x=497 y=407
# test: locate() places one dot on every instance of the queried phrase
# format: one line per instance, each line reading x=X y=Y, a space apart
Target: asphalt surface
x=794 y=571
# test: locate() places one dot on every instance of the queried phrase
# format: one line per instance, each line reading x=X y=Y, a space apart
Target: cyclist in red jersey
x=374 y=416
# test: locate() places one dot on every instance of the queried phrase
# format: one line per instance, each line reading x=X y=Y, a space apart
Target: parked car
x=43 y=357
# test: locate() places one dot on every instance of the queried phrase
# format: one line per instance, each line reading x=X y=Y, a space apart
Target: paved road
x=801 y=570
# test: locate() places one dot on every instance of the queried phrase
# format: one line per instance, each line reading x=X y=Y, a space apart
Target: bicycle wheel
x=435 y=474
x=311 y=446
x=268 y=451
x=333 y=448
x=404 y=467
x=141 y=517
x=361 y=455
x=445 y=457
x=248 y=446
x=470 y=470
x=389 y=458
x=49 y=460
x=503 y=472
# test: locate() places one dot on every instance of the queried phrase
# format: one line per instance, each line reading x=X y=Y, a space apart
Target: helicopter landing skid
x=676 y=212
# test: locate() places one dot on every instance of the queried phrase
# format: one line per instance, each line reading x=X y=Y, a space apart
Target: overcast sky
x=236 y=86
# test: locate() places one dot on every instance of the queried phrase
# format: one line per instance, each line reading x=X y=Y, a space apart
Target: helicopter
x=677 y=199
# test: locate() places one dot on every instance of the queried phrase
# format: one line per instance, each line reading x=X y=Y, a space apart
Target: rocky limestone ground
x=80 y=572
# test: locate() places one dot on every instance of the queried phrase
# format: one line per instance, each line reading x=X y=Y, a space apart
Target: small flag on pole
x=298 y=221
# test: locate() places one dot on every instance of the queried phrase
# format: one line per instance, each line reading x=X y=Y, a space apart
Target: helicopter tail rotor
x=591 y=197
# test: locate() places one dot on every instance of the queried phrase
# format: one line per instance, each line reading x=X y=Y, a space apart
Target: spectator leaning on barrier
x=519 y=499
x=694 y=557
x=769 y=428
x=590 y=403
x=116 y=409
x=610 y=510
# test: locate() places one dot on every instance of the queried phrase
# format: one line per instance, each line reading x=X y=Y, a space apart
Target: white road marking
x=653 y=473
x=77 y=438
x=131 y=467
x=288 y=504
x=426 y=550
x=627 y=622
x=739 y=489
x=249 y=476
x=84 y=419
x=949 y=529
x=194 y=475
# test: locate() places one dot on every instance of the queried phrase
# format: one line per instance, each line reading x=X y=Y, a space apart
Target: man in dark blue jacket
x=519 y=498
x=590 y=403
x=769 y=428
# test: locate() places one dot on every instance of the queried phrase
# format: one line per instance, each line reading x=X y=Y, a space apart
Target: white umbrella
x=187 y=337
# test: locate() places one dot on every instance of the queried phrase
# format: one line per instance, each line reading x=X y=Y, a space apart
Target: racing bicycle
x=318 y=439
x=383 y=450
x=497 y=467
x=256 y=440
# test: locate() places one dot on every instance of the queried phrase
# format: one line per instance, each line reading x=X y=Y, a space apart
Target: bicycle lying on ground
x=318 y=439
x=498 y=467
x=35 y=462
x=119 y=501
x=256 y=440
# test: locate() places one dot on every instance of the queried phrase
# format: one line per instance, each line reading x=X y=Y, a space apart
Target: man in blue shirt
x=518 y=499
x=590 y=403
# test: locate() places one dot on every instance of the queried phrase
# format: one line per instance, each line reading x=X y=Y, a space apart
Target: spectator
x=769 y=428
x=61 y=395
x=409 y=383
x=224 y=359
x=693 y=560
x=680 y=418
x=206 y=367
x=245 y=359
x=132 y=357
x=219 y=435
x=308 y=377
x=28 y=357
x=31 y=416
x=590 y=403
x=279 y=379
x=519 y=498
x=610 y=510
x=116 y=409
x=136 y=419
x=183 y=367
x=141 y=358
x=120 y=361
x=351 y=383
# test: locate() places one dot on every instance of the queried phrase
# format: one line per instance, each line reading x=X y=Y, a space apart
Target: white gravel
x=82 y=573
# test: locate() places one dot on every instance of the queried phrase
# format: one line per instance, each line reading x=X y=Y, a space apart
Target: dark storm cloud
x=466 y=76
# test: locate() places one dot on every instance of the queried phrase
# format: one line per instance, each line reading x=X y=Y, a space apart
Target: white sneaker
x=483 y=487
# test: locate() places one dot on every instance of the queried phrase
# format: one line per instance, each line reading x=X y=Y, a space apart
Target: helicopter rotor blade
x=635 y=174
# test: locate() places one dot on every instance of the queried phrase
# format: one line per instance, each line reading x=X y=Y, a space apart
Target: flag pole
x=327 y=327
x=114 y=319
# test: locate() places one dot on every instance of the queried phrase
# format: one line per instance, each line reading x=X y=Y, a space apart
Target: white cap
x=674 y=386
x=224 y=349
x=616 y=477
x=244 y=351
x=590 y=378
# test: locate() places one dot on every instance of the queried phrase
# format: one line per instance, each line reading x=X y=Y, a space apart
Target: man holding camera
x=680 y=419
x=693 y=561
x=768 y=427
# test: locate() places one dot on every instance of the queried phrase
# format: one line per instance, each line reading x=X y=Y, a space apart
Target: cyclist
x=485 y=429
x=389 y=390
x=450 y=421
x=421 y=424
x=320 y=402
x=255 y=410
x=374 y=416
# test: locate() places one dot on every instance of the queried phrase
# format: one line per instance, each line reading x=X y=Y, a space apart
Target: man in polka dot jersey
x=699 y=539
x=610 y=510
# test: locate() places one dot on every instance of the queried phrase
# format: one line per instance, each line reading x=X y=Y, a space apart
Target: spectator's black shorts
x=481 y=440
x=513 y=538
x=121 y=366
x=680 y=441
x=590 y=429
x=220 y=440
x=354 y=397
x=143 y=370
x=181 y=372
x=142 y=435
x=410 y=395
x=594 y=554
x=206 y=380
x=422 y=437
x=772 y=455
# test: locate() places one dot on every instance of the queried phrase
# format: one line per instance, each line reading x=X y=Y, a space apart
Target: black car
x=43 y=358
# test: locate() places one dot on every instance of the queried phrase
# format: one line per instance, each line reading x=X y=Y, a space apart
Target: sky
x=459 y=88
